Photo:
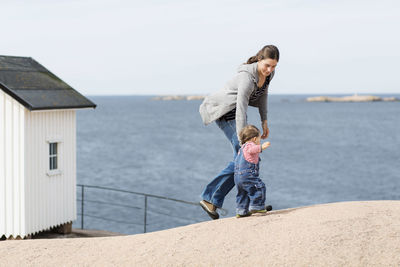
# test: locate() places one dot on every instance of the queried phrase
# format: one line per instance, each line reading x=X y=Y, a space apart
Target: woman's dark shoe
x=268 y=208
x=210 y=209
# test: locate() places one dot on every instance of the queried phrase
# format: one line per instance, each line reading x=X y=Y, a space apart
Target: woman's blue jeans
x=220 y=186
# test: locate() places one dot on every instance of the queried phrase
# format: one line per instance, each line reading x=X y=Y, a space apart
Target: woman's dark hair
x=268 y=51
x=247 y=133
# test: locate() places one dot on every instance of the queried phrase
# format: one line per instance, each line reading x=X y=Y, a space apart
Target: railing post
x=145 y=213
x=82 y=210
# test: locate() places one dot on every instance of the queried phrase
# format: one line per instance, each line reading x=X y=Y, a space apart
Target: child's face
x=257 y=140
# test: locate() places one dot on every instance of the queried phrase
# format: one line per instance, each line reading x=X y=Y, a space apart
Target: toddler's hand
x=265 y=145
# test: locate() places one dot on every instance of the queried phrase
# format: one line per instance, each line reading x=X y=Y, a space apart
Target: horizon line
x=293 y=94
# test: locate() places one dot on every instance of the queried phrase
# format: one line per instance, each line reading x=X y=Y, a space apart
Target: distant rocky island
x=353 y=98
x=178 y=97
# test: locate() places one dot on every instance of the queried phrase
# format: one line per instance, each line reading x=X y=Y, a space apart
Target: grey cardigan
x=236 y=93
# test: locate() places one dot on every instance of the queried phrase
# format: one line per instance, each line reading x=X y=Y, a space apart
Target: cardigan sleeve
x=263 y=102
x=263 y=106
x=245 y=88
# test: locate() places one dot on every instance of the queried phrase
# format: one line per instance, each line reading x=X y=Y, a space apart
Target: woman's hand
x=265 y=130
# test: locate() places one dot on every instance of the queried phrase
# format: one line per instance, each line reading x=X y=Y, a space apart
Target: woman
x=228 y=108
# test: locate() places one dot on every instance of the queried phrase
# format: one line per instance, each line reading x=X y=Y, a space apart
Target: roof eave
x=32 y=108
x=16 y=97
x=64 y=107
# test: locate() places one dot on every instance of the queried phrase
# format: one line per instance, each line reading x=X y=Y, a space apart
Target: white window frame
x=57 y=141
x=53 y=156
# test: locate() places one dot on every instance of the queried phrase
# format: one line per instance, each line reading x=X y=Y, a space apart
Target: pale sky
x=156 y=47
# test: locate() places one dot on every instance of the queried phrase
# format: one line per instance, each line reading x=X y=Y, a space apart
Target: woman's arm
x=263 y=110
x=263 y=106
x=245 y=88
x=265 y=129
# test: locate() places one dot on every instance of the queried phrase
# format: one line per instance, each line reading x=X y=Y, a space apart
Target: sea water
x=319 y=153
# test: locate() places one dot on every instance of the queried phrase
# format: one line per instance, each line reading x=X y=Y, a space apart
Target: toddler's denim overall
x=251 y=189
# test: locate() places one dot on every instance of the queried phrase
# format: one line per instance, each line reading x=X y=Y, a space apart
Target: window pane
x=53 y=148
x=53 y=163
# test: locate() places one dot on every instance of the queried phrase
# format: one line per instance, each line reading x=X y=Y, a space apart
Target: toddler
x=251 y=189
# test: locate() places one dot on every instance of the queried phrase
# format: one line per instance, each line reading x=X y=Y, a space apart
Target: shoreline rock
x=359 y=233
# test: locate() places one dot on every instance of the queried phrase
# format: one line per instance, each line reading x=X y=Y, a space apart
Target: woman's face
x=266 y=66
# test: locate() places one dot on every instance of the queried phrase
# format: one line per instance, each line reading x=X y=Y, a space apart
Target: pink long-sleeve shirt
x=251 y=152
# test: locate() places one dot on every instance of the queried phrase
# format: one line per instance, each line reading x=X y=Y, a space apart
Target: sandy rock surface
x=337 y=234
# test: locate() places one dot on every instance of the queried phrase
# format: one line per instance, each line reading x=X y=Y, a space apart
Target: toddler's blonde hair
x=247 y=133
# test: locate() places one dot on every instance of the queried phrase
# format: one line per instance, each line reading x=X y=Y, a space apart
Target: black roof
x=36 y=88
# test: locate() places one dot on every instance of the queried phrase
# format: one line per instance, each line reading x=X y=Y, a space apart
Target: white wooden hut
x=37 y=148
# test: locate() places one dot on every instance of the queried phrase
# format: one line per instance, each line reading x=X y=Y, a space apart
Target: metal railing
x=145 y=198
